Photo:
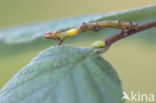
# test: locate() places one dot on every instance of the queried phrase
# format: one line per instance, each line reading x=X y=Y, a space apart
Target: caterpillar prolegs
x=123 y=26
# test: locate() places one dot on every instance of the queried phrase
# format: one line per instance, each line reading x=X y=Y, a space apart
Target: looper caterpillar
x=124 y=26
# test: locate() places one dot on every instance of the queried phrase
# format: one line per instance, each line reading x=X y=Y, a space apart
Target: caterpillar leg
x=60 y=41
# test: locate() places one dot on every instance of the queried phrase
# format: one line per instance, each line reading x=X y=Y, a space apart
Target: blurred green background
x=133 y=60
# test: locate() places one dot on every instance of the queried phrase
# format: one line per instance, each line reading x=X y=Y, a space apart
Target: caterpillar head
x=53 y=35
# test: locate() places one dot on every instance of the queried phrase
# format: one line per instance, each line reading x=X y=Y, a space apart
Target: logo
x=138 y=96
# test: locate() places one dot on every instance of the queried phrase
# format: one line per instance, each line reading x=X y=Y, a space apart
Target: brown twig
x=121 y=35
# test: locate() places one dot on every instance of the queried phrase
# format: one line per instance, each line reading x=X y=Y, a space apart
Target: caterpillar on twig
x=125 y=27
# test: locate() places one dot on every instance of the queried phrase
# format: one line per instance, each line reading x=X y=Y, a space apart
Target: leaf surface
x=64 y=74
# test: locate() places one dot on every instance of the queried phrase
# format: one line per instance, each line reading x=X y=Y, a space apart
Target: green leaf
x=64 y=74
x=32 y=32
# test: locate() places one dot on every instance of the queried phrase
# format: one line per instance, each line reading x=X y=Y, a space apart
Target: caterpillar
x=123 y=26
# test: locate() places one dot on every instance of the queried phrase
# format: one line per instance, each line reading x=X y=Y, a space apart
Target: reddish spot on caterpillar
x=83 y=26
x=96 y=27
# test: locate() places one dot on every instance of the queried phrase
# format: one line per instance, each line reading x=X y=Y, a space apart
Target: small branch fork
x=114 y=38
